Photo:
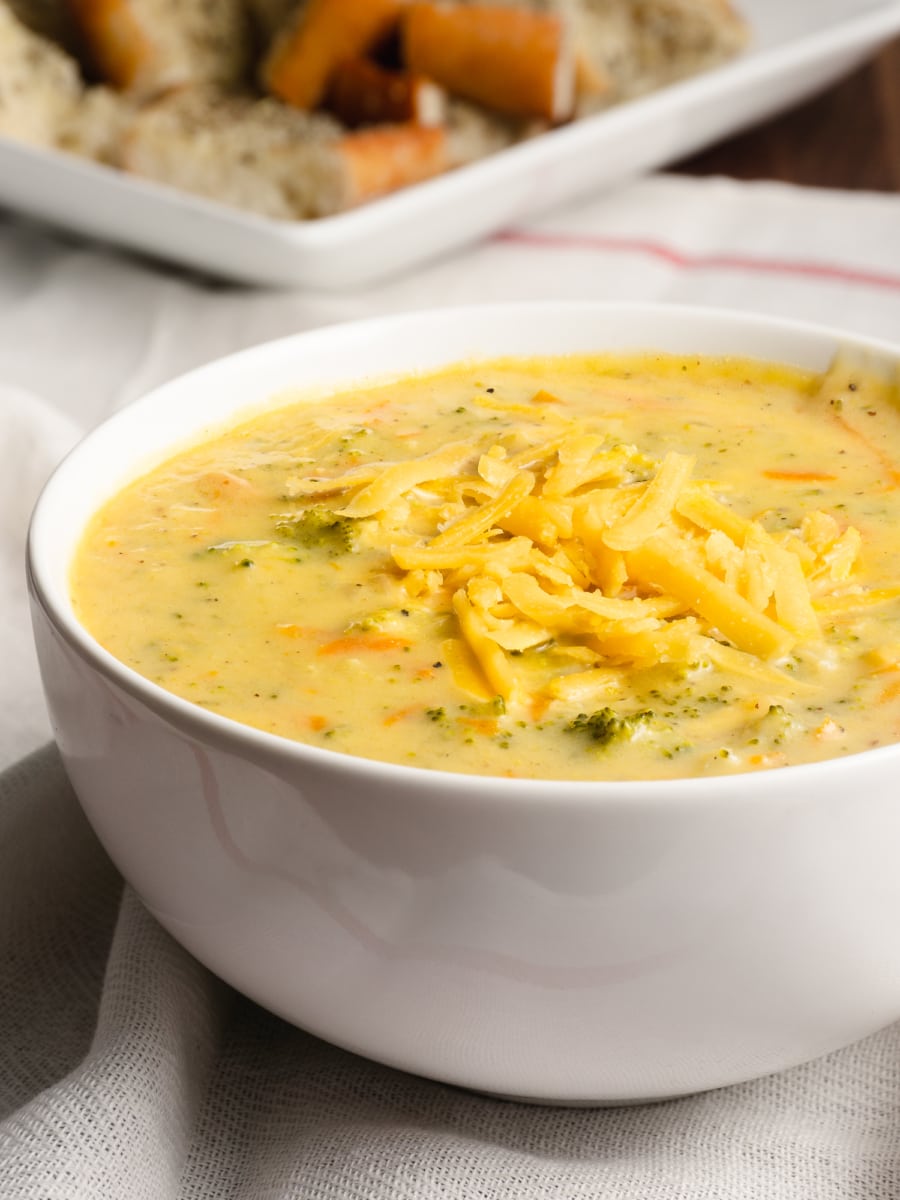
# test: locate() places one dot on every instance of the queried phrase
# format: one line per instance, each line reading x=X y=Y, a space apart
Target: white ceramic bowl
x=568 y=942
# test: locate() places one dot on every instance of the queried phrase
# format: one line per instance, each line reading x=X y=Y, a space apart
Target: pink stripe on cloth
x=700 y=262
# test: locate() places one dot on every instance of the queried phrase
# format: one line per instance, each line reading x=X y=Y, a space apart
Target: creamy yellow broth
x=580 y=568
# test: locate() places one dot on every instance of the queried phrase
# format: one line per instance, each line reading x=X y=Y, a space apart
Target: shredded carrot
x=799 y=476
x=886 y=463
x=891 y=692
x=776 y=758
x=485 y=725
x=352 y=642
x=387 y=402
x=545 y=397
x=316 y=722
x=289 y=629
x=399 y=714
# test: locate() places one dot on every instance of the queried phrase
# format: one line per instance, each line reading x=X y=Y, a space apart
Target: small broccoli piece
x=606 y=726
x=383 y=620
x=495 y=707
x=777 y=723
x=319 y=528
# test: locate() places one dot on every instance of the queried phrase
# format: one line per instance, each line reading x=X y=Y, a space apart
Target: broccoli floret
x=383 y=620
x=495 y=707
x=319 y=528
x=777 y=723
x=606 y=726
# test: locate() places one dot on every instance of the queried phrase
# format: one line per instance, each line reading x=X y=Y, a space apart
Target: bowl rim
x=259 y=745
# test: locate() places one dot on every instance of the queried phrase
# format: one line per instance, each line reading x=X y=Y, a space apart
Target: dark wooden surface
x=847 y=137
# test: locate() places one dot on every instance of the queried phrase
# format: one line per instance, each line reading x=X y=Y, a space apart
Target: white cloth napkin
x=128 y=1071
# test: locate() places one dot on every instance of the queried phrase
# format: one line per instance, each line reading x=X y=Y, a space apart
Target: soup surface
x=580 y=568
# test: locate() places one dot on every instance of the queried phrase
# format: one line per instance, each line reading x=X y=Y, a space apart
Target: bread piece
x=606 y=41
x=96 y=124
x=362 y=93
x=512 y=60
x=319 y=36
x=271 y=159
x=250 y=154
x=39 y=83
x=641 y=45
x=474 y=133
x=43 y=98
x=148 y=46
x=683 y=37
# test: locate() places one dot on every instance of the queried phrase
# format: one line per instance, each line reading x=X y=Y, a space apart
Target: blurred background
x=849 y=137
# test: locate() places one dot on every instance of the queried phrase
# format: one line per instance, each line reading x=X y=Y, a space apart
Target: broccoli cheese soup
x=580 y=568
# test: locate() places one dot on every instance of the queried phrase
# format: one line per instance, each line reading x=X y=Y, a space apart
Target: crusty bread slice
x=642 y=45
x=39 y=83
x=272 y=159
x=317 y=38
x=251 y=154
x=514 y=60
x=148 y=46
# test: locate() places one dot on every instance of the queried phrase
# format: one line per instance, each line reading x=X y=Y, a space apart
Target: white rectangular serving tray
x=798 y=47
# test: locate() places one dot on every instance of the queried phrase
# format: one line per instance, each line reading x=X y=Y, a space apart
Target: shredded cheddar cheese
x=637 y=572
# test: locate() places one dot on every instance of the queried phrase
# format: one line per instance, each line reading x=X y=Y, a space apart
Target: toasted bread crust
x=119 y=48
x=383 y=159
x=362 y=93
x=511 y=60
x=321 y=35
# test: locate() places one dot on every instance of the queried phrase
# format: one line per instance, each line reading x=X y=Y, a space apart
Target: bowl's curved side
x=565 y=951
x=567 y=942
